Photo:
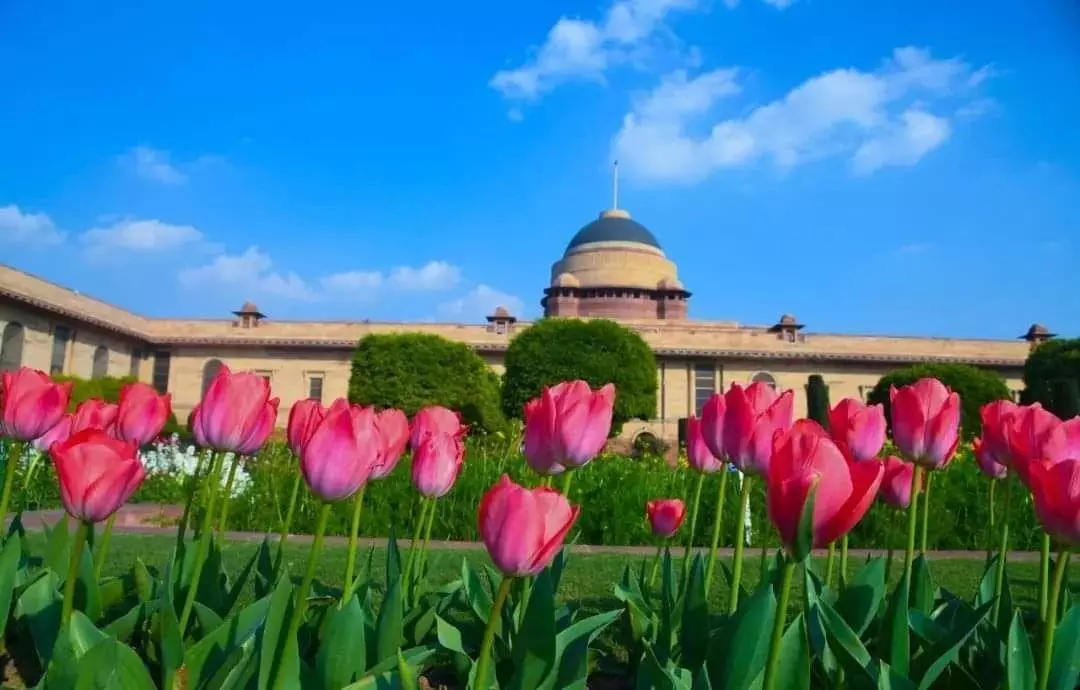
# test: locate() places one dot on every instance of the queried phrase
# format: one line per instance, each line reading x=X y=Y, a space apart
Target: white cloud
x=144 y=236
x=352 y=281
x=478 y=303
x=152 y=164
x=251 y=272
x=432 y=276
x=872 y=116
x=32 y=229
x=578 y=49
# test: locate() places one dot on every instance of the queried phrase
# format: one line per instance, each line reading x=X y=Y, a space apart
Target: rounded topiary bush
x=597 y=351
x=976 y=388
x=413 y=370
x=1052 y=376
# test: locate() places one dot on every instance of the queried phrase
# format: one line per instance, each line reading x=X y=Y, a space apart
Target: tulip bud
x=523 y=528
x=1055 y=491
x=97 y=473
x=236 y=414
x=752 y=418
x=141 y=414
x=926 y=422
x=435 y=420
x=987 y=460
x=896 y=483
x=60 y=432
x=31 y=403
x=341 y=453
x=858 y=429
x=95 y=414
x=567 y=426
x=712 y=424
x=436 y=464
x=394 y=430
x=665 y=516
x=304 y=417
x=698 y=451
x=1038 y=436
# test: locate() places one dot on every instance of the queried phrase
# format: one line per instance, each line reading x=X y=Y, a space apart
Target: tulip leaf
x=1019 y=661
x=208 y=620
x=558 y=566
x=393 y=559
x=278 y=653
x=83 y=634
x=1065 y=662
x=58 y=546
x=478 y=597
x=124 y=627
x=932 y=663
x=923 y=588
x=657 y=676
x=203 y=659
x=987 y=587
x=861 y=598
x=40 y=605
x=534 y=647
x=817 y=637
x=737 y=654
x=112 y=666
x=450 y=637
x=87 y=593
x=388 y=627
x=9 y=568
x=233 y=593
x=265 y=571
x=144 y=581
x=693 y=635
x=794 y=663
x=572 y=646
x=804 y=536
x=847 y=645
x=894 y=637
x=341 y=658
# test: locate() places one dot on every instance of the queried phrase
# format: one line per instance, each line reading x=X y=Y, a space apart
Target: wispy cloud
x=155 y=165
x=28 y=229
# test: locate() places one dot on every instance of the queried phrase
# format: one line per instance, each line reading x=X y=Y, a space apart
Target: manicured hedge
x=1052 y=376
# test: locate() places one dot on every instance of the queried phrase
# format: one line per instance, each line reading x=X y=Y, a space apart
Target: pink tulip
x=987 y=460
x=754 y=414
x=858 y=429
x=567 y=426
x=1038 y=436
x=805 y=458
x=97 y=473
x=698 y=451
x=926 y=422
x=665 y=515
x=304 y=418
x=896 y=484
x=712 y=424
x=95 y=414
x=31 y=403
x=394 y=431
x=437 y=463
x=60 y=432
x=996 y=419
x=435 y=420
x=342 y=452
x=142 y=413
x=1055 y=490
x=523 y=528
x=236 y=414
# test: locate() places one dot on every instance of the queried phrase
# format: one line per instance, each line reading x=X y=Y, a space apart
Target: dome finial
x=615 y=186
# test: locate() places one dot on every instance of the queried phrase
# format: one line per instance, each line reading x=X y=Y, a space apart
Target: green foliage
x=975 y=386
x=597 y=351
x=817 y=400
x=108 y=388
x=1047 y=375
x=414 y=370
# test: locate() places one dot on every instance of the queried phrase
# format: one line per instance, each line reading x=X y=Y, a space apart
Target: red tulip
x=31 y=403
x=437 y=463
x=996 y=419
x=754 y=414
x=987 y=460
x=97 y=473
x=342 y=452
x=926 y=422
x=896 y=484
x=304 y=418
x=665 y=515
x=435 y=420
x=712 y=424
x=1055 y=490
x=698 y=451
x=567 y=426
x=858 y=429
x=804 y=457
x=60 y=432
x=95 y=414
x=236 y=414
x=142 y=413
x=523 y=528
x=394 y=430
x=1038 y=436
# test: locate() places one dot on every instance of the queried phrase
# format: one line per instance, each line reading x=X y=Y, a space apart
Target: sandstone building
x=612 y=268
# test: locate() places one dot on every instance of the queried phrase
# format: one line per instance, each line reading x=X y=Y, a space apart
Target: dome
x=613 y=226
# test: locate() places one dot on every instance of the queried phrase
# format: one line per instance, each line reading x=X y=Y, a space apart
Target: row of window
x=314 y=379
x=705 y=383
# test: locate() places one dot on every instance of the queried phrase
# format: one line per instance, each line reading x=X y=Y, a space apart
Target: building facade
x=612 y=268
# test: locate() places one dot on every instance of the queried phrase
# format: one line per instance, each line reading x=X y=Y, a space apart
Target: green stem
x=15 y=453
x=103 y=548
x=1003 y=554
x=990 y=523
x=925 y=513
x=913 y=515
x=718 y=520
x=354 y=536
x=297 y=481
x=655 y=566
x=300 y=604
x=693 y=522
x=843 y=560
x=422 y=558
x=740 y=539
x=73 y=573
x=567 y=477
x=192 y=487
x=212 y=484
x=772 y=665
x=829 y=562
x=414 y=546
x=1051 y=619
x=1044 y=575
x=483 y=662
x=226 y=500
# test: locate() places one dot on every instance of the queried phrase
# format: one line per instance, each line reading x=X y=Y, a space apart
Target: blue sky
x=889 y=167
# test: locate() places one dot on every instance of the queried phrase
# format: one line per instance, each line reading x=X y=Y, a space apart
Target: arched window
x=11 y=346
x=209 y=371
x=100 y=367
x=766 y=378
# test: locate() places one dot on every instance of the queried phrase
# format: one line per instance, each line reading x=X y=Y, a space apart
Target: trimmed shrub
x=976 y=388
x=414 y=370
x=108 y=388
x=817 y=400
x=597 y=351
x=1048 y=370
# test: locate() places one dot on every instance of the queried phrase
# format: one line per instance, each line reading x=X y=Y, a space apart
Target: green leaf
x=87 y=594
x=737 y=654
x=923 y=589
x=693 y=632
x=388 y=628
x=478 y=597
x=233 y=594
x=986 y=594
x=817 y=636
x=203 y=660
x=341 y=658
x=933 y=662
x=172 y=644
x=124 y=627
x=572 y=646
x=804 y=537
x=40 y=605
x=534 y=647
x=385 y=675
x=58 y=546
x=847 y=645
x=264 y=571
x=861 y=599
x=110 y=665
x=794 y=664
x=1019 y=662
x=208 y=620
x=894 y=638
x=83 y=634
x=278 y=653
x=9 y=568
x=450 y=637
x=393 y=560
x=1065 y=659
x=558 y=566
